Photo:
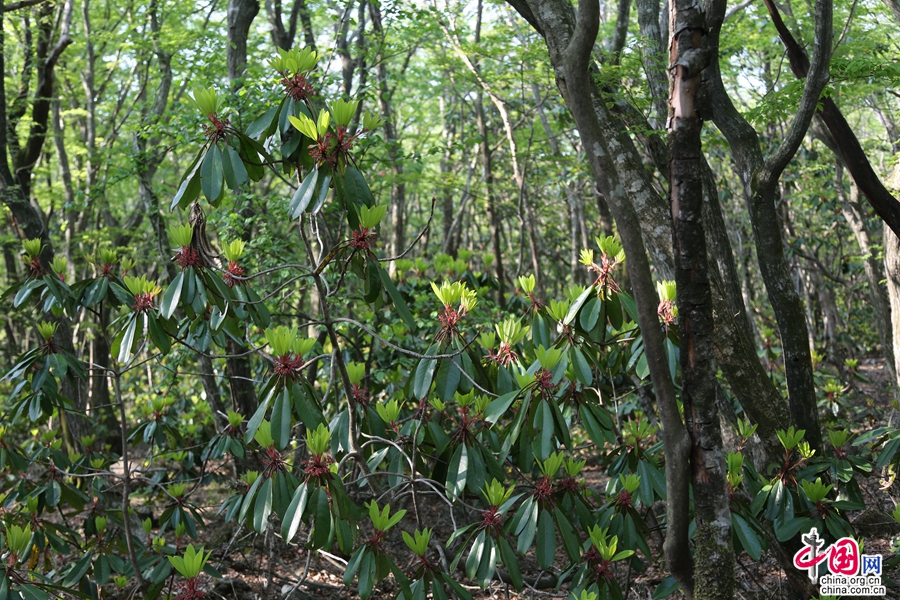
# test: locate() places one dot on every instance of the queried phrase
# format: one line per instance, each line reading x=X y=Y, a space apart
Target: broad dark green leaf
x=475 y=554
x=581 y=366
x=397 y=300
x=540 y=333
x=263 y=124
x=747 y=536
x=366 y=575
x=281 y=420
x=511 y=562
x=591 y=313
x=323 y=529
x=499 y=406
x=447 y=379
x=233 y=168
x=190 y=185
x=263 y=507
x=546 y=540
x=576 y=306
x=425 y=373
x=256 y=419
x=458 y=471
x=357 y=189
x=127 y=340
x=372 y=291
x=353 y=565
x=79 y=569
x=171 y=297
x=211 y=174
x=304 y=194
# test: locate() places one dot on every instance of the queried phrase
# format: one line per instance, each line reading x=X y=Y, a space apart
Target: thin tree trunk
x=394 y=148
x=853 y=212
x=759 y=177
x=518 y=175
x=713 y=556
x=892 y=271
x=240 y=15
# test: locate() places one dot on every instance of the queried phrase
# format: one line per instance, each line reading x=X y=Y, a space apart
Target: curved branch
x=816 y=78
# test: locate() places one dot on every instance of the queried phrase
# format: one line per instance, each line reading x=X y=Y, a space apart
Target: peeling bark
x=714 y=556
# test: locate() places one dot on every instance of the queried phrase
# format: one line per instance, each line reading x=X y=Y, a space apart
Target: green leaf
x=425 y=373
x=357 y=189
x=747 y=536
x=546 y=427
x=582 y=368
x=447 y=379
x=591 y=314
x=488 y=564
x=190 y=186
x=256 y=419
x=366 y=575
x=234 y=169
x=127 y=339
x=568 y=535
x=211 y=174
x=281 y=420
x=785 y=530
x=546 y=540
x=25 y=291
x=372 y=291
x=304 y=194
x=322 y=532
x=262 y=125
x=540 y=334
x=475 y=554
x=353 y=565
x=457 y=473
x=159 y=336
x=666 y=588
x=508 y=556
x=576 y=306
x=78 y=569
x=29 y=592
x=294 y=514
x=499 y=406
x=171 y=297
x=397 y=300
x=263 y=507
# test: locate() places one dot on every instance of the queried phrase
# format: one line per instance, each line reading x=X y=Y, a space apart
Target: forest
x=576 y=299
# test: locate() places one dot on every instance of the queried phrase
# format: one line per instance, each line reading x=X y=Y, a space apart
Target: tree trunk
x=713 y=556
x=759 y=178
x=240 y=15
x=892 y=271
x=881 y=305
x=394 y=148
x=570 y=51
x=448 y=245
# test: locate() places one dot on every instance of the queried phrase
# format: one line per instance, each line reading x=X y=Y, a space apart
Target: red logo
x=842 y=556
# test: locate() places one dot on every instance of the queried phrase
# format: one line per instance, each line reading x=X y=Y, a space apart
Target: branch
x=816 y=78
x=21 y=4
x=850 y=150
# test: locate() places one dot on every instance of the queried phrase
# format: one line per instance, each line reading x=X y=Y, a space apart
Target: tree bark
x=240 y=15
x=759 y=178
x=394 y=148
x=570 y=51
x=713 y=556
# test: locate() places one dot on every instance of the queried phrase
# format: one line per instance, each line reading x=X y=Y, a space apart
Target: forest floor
x=260 y=567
